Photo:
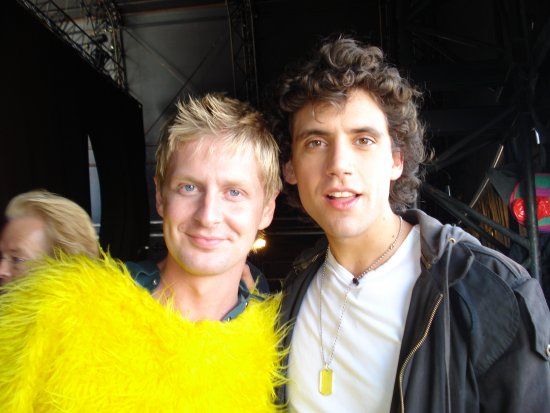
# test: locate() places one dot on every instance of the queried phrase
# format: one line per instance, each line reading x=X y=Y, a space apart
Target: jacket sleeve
x=519 y=380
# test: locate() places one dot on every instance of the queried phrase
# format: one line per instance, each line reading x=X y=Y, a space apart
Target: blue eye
x=234 y=192
x=189 y=187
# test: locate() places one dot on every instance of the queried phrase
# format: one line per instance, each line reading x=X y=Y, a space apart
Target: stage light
x=259 y=244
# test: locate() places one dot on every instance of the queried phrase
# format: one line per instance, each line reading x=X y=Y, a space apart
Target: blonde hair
x=237 y=124
x=69 y=228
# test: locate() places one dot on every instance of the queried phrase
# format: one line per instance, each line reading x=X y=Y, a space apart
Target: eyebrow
x=313 y=131
x=308 y=132
x=226 y=182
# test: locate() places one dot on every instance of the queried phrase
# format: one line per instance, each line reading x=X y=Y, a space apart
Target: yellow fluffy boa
x=80 y=336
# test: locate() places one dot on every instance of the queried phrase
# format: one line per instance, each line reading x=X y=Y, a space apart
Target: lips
x=342 y=199
x=206 y=242
x=341 y=194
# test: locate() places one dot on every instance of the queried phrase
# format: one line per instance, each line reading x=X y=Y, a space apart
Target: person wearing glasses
x=40 y=223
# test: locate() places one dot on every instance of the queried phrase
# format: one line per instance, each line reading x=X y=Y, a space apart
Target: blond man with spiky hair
x=41 y=223
x=83 y=336
x=217 y=178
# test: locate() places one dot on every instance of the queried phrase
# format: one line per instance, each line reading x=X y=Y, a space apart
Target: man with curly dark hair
x=394 y=311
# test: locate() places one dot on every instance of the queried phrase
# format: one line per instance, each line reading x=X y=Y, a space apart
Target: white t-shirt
x=367 y=350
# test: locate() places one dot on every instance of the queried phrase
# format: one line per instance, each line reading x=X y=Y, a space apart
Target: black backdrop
x=51 y=101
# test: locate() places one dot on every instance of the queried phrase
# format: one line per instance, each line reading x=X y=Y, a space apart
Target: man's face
x=23 y=239
x=212 y=205
x=343 y=163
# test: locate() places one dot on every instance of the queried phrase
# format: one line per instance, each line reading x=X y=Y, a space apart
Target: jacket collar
x=436 y=240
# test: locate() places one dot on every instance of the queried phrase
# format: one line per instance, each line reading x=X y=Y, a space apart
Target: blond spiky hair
x=238 y=125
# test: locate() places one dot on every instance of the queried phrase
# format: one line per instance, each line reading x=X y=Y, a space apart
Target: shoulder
x=496 y=297
x=262 y=285
x=145 y=273
x=299 y=278
x=309 y=256
x=304 y=267
x=503 y=302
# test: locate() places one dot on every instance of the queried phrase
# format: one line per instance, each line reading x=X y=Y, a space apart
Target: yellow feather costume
x=79 y=335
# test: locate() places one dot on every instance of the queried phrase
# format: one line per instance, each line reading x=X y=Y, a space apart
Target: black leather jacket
x=477 y=333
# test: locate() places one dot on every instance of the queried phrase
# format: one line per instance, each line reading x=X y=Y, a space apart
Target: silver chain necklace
x=326 y=373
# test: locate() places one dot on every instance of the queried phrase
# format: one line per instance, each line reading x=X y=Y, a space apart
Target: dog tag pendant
x=325 y=381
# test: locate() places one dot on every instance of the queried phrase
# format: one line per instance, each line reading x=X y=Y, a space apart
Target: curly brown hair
x=337 y=68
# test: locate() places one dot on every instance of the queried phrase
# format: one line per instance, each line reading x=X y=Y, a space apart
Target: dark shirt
x=147 y=275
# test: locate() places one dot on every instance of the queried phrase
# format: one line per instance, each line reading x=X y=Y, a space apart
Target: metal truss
x=243 y=55
x=97 y=38
x=512 y=71
x=473 y=219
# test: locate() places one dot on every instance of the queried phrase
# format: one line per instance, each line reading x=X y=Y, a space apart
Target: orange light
x=259 y=244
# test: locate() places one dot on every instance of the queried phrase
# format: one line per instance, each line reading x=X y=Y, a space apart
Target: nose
x=6 y=269
x=340 y=159
x=209 y=210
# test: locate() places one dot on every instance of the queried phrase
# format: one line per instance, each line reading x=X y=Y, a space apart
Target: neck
x=357 y=254
x=198 y=297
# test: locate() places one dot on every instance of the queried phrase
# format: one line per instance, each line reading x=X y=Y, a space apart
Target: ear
x=288 y=173
x=158 y=199
x=268 y=212
x=397 y=167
